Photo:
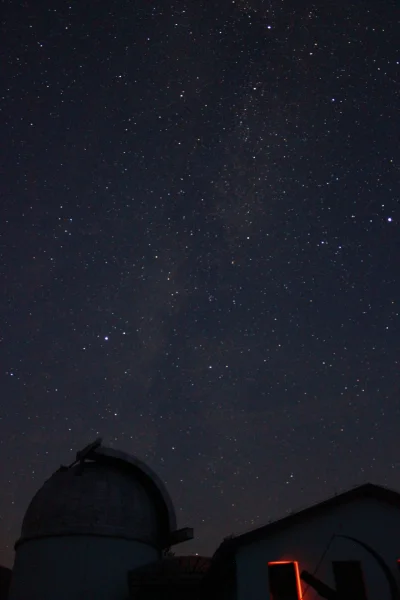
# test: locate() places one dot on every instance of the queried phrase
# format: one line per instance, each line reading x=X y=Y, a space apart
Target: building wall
x=77 y=568
x=376 y=524
x=5 y=579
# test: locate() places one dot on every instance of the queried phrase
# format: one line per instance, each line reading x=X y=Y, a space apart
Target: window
x=284 y=580
x=349 y=580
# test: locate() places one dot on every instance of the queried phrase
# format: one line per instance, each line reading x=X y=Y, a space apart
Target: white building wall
x=375 y=523
x=77 y=568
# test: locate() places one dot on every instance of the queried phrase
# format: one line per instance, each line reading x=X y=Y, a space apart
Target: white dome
x=107 y=493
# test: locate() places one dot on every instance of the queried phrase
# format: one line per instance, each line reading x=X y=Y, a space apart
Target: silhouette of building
x=101 y=529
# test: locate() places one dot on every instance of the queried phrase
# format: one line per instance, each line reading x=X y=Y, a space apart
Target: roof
x=158 y=490
x=367 y=490
x=104 y=492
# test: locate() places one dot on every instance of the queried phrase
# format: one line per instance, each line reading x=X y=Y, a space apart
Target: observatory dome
x=105 y=493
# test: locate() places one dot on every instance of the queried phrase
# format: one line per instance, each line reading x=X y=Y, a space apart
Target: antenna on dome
x=82 y=454
x=86 y=452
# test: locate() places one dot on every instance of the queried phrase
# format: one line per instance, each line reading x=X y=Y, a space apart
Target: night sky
x=200 y=250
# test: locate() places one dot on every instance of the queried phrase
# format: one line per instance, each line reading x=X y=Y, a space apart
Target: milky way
x=199 y=229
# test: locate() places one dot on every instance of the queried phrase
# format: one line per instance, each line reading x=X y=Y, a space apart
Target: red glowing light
x=296 y=570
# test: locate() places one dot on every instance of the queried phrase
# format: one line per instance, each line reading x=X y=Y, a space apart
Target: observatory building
x=89 y=525
x=98 y=530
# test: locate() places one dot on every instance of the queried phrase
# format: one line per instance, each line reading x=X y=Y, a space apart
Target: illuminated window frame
x=296 y=570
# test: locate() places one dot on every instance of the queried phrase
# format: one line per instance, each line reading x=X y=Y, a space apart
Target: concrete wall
x=76 y=568
x=374 y=523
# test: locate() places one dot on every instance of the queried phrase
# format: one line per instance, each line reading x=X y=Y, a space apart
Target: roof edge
x=366 y=490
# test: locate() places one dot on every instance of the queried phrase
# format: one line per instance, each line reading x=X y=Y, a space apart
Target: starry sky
x=200 y=250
